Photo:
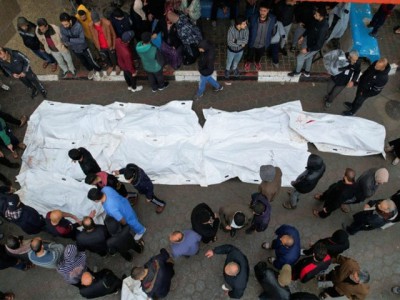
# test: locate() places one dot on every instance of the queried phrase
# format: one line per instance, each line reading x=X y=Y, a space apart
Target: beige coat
x=271 y=189
x=227 y=213
x=109 y=34
x=352 y=291
x=56 y=37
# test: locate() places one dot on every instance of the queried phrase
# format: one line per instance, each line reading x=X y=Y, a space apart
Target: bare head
x=386 y=206
x=381 y=64
x=55 y=217
x=86 y=279
x=232 y=269
x=353 y=56
x=349 y=175
x=287 y=240
x=176 y=237
x=138 y=273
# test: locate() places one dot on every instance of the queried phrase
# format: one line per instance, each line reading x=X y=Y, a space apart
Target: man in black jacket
x=156 y=275
x=274 y=286
x=346 y=78
x=99 y=284
x=206 y=68
x=93 y=237
x=16 y=64
x=26 y=30
x=307 y=180
x=371 y=83
x=236 y=270
x=85 y=160
x=205 y=222
x=312 y=41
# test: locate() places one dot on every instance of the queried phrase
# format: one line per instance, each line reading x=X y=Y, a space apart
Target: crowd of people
x=167 y=33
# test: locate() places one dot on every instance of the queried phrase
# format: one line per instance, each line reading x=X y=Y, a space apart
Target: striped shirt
x=237 y=38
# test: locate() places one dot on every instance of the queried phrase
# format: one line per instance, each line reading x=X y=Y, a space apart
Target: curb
x=194 y=76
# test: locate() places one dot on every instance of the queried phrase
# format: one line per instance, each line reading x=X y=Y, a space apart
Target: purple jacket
x=260 y=222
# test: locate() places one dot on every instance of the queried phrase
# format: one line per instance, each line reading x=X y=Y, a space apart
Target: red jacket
x=124 y=55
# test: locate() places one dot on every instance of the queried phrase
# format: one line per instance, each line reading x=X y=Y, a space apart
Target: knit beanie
x=285 y=275
x=22 y=21
x=382 y=175
x=340 y=237
x=267 y=173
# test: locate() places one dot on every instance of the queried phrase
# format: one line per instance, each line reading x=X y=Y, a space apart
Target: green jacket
x=147 y=53
x=3 y=133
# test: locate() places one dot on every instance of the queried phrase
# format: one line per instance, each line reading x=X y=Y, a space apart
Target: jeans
x=297 y=34
x=130 y=80
x=64 y=61
x=294 y=198
x=306 y=60
x=87 y=60
x=45 y=56
x=333 y=90
x=203 y=82
x=233 y=59
x=287 y=30
x=31 y=81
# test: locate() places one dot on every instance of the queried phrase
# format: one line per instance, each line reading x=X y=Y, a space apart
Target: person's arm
x=224 y=249
x=68 y=215
x=24 y=60
x=195 y=10
x=80 y=39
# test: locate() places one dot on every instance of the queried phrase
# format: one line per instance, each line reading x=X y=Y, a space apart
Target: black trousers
x=9 y=118
x=232 y=4
x=156 y=79
x=130 y=80
x=31 y=81
x=87 y=60
x=109 y=56
x=254 y=55
x=361 y=96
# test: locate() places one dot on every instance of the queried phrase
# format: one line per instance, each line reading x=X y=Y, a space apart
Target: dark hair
x=240 y=19
x=131 y=172
x=94 y=194
x=321 y=10
x=259 y=208
x=42 y=22
x=89 y=226
x=320 y=251
x=90 y=178
x=81 y=12
x=65 y=17
x=36 y=245
x=146 y=37
x=118 y=13
x=239 y=218
x=75 y=154
x=13 y=242
x=265 y=4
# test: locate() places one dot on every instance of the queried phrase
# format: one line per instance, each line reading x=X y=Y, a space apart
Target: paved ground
x=198 y=277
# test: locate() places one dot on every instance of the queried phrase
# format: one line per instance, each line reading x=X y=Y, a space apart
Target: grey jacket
x=74 y=37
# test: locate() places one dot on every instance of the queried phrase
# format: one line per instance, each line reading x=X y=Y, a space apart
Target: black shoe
x=284 y=51
x=44 y=93
x=306 y=74
x=348 y=105
x=249 y=230
x=166 y=84
x=293 y=74
x=34 y=93
x=233 y=232
x=1 y=236
x=328 y=104
x=127 y=256
x=348 y=113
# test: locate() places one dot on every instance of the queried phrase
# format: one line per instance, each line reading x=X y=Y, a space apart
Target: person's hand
x=22 y=75
x=300 y=41
x=115 y=172
x=350 y=84
x=10 y=146
x=304 y=51
x=209 y=253
x=1 y=154
x=226 y=293
x=92 y=213
x=150 y=17
x=154 y=35
x=15 y=75
x=366 y=206
x=76 y=219
x=227 y=227
x=225 y=10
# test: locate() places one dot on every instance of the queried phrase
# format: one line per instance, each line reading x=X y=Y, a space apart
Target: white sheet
x=171 y=146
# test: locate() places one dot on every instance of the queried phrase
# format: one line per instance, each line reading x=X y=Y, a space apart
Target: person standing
x=371 y=84
x=235 y=216
x=104 y=39
x=46 y=255
x=311 y=42
x=261 y=213
x=156 y=275
x=85 y=159
x=184 y=243
x=271 y=181
x=394 y=147
x=50 y=36
x=125 y=60
x=119 y=208
x=17 y=65
x=121 y=22
x=27 y=31
x=9 y=139
x=73 y=36
x=205 y=222
x=379 y=18
x=307 y=180
x=347 y=77
x=93 y=237
x=148 y=54
x=58 y=225
x=102 y=179
x=284 y=12
x=261 y=27
x=237 y=39
x=72 y=265
x=236 y=270
x=336 y=244
x=274 y=286
x=99 y=284
x=192 y=9
x=206 y=68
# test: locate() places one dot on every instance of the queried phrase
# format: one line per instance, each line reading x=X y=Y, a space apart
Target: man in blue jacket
x=261 y=27
x=286 y=245
x=73 y=36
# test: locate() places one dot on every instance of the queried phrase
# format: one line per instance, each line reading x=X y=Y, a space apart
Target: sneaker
x=166 y=84
x=226 y=74
x=154 y=90
x=293 y=49
x=302 y=252
x=348 y=105
x=276 y=66
x=225 y=288
x=34 y=93
x=117 y=70
x=327 y=104
x=74 y=73
x=65 y=74
x=160 y=209
x=396 y=290
x=258 y=66
x=90 y=75
x=284 y=51
x=348 y=113
x=236 y=73
x=294 y=74
x=53 y=67
x=271 y=259
x=247 y=67
x=130 y=88
x=109 y=70
x=214 y=23
x=139 y=236
x=396 y=161
x=5 y=87
x=266 y=246
x=23 y=120
x=138 y=88
x=306 y=74
x=197 y=97
x=219 y=89
x=44 y=93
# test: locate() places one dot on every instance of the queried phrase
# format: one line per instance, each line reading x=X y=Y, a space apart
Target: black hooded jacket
x=269 y=282
x=29 y=36
x=307 y=180
x=207 y=231
x=206 y=58
x=372 y=81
